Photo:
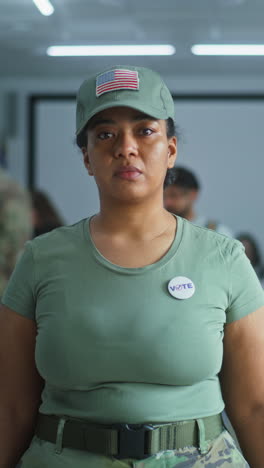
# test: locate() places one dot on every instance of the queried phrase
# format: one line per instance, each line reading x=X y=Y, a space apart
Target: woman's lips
x=128 y=173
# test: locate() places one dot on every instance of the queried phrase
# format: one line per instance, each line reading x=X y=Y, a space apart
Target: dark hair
x=171 y=128
x=181 y=177
x=81 y=139
x=256 y=258
x=47 y=213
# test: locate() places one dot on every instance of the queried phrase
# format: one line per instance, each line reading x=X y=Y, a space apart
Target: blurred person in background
x=45 y=215
x=15 y=224
x=181 y=190
x=252 y=250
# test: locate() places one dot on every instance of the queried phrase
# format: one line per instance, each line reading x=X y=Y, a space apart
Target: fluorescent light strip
x=228 y=49
x=105 y=50
x=44 y=6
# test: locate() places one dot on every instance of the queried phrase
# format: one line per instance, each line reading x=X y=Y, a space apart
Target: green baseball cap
x=136 y=87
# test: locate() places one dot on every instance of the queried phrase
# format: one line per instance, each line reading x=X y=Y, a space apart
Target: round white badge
x=181 y=287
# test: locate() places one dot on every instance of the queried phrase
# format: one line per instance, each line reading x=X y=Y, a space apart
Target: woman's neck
x=133 y=220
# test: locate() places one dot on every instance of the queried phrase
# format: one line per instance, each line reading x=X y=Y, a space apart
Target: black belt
x=126 y=440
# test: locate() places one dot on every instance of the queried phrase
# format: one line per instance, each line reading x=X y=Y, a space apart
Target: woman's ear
x=172 y=152
x=86 y=161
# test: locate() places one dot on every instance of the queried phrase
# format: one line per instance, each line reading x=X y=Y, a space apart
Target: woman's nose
x=125 y=145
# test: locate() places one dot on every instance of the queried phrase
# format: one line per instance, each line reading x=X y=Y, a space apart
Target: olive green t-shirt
x=113 y=344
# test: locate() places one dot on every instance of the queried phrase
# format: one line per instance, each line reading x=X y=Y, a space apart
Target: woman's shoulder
x=59 y=238
x=203 y=237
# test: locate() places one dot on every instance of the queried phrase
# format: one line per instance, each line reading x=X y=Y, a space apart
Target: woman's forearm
x=15 y=437
x=250 y=434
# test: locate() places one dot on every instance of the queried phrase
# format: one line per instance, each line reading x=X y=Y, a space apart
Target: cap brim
x=148 y=110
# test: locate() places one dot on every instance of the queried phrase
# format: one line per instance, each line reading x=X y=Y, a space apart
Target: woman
x=126 y=312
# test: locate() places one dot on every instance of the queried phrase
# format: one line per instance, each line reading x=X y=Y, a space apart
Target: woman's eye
x=147 y=131
x=104 y=135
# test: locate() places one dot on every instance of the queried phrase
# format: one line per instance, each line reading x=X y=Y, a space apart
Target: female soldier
x=125 y=313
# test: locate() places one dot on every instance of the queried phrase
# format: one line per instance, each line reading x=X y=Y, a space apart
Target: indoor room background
x=219 y=100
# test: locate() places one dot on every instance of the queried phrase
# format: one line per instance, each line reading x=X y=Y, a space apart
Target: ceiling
x=25 y=35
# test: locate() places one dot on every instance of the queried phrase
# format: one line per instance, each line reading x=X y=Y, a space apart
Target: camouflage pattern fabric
x=222 y=453
x=15 y=225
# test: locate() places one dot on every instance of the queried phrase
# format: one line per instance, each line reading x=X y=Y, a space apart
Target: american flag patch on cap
x=116 y=79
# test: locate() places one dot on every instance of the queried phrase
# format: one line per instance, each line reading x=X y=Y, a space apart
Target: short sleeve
x=245 y=291
x=19 y=294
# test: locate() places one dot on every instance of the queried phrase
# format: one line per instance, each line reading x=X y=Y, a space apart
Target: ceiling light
x=228 y=49
x=44 y=6
x=105 y=50
x=232 y=2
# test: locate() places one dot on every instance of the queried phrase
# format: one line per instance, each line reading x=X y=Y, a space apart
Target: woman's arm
x=242 y=380
x=20 y=385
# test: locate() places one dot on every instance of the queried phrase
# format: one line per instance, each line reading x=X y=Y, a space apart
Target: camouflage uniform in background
x=222 y=453
x=15 y=225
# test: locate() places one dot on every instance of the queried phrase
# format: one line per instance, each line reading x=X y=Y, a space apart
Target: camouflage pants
x=222 y=453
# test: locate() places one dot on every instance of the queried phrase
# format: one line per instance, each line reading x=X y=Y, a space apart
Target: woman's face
x=128 y=153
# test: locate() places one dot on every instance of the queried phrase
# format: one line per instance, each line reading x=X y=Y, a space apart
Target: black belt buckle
x=132 y=440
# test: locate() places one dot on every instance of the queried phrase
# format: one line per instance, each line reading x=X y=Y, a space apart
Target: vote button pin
x=181 y=287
